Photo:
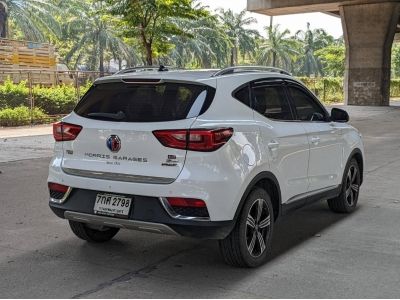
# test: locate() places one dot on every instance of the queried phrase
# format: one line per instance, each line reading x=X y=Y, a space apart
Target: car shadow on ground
x=166 y=261
x=304 y=224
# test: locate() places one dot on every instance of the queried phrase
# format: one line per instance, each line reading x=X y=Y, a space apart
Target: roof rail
x=245 y=69
x=159 y=68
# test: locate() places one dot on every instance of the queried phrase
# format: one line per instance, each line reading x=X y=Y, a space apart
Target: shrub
x=329 y=89
x=56 y=100
x=53 y=100
x=19 y=116
x=13 y=95
x=395 y=88
x=84 y=88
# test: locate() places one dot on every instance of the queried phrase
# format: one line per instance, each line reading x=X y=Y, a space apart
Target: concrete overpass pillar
x=369 y=31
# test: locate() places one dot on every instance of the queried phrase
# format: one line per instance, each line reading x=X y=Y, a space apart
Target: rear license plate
x=112 y=205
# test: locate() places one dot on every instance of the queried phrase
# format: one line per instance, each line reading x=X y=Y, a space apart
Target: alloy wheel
x=352 y=186
x=258 y=227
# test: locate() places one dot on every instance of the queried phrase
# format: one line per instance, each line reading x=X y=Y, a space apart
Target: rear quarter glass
x=144 y=102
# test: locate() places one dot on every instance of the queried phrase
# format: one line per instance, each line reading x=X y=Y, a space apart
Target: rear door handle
x=315 y=140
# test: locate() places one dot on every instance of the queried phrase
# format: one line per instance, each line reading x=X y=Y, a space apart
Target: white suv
x=205 y=154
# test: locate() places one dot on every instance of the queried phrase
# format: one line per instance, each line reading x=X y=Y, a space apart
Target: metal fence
x=329 y=90
x=33 y=79
x=46 y=78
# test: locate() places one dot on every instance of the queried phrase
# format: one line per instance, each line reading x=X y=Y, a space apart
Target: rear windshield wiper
x=119 y=116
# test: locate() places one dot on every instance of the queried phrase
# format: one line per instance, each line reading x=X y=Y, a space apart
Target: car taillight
x=186 y=202
x=206 y=140
x=187 y=207
x=56 y=187
x=65 y=132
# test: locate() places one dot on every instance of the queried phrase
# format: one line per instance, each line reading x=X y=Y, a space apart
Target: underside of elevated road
x=369 y=27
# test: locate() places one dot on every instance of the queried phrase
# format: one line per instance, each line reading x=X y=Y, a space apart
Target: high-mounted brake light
x=205 y=140
x=65 y=132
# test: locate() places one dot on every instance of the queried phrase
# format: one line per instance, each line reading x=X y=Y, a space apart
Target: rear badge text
x=117 y=157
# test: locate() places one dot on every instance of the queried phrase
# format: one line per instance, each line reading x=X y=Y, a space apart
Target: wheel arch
x=268 y=182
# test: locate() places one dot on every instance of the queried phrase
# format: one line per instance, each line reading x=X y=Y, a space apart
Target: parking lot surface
x=315 y=253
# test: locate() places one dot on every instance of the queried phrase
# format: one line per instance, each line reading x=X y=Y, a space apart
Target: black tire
x=346 y=202
x=243 y=246
x=82 y=231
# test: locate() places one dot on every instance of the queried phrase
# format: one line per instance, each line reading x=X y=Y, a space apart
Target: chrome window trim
x=173 y=214
x=118 y=176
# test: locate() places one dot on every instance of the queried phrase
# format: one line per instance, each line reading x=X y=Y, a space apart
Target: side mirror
x=339 y=115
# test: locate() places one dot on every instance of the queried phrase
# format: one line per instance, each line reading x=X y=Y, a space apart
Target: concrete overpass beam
x=369 y=31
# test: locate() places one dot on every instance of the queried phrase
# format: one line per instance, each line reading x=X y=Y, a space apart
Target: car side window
x=307 y=109
x=243 y=95
x=271 y=102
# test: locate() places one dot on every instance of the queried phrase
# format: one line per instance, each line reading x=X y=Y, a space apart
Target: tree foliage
x=92 y=34
x=204 y=45
x=34 y=18
x=332 y=59
x=278 y=50
x=312 y=41
x=396 y=59
x=183 y=33
x=151 y=22
x=242 y=39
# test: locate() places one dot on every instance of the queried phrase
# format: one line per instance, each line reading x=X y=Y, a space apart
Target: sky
x=292 y=22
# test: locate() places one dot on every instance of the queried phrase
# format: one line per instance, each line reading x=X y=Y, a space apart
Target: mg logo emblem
x=114 y=143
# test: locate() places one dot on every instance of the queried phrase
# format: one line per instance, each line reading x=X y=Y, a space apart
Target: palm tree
x=312 y=41
x=243 y=40
x=35 y=18
x=96 y=36
x=205 y=43
x=278 y=49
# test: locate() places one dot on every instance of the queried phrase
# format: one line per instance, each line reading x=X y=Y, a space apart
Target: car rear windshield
x=144 y=102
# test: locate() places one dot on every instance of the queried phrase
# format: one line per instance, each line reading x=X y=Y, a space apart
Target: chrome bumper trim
x=173 y=214
x=62 y=200
x=118 y=176
x=119 y=223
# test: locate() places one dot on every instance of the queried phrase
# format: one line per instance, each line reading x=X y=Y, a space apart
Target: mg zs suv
x=204 y=154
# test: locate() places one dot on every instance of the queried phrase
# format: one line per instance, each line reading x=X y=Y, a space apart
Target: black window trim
x=238 y=89
x=299 y=86
x=285 y=82
x=249 y=86
x=271 y=82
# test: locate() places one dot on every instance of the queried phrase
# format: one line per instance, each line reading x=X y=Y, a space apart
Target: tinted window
x=128 y=102
x=243 y=96
x=271 y=102
x=305 y=105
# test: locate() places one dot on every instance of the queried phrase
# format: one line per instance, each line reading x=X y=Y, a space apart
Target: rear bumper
x=119 y=223
x=147 y=214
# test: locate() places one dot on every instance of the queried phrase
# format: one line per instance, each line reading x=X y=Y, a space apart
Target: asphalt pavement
x=316 y=254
